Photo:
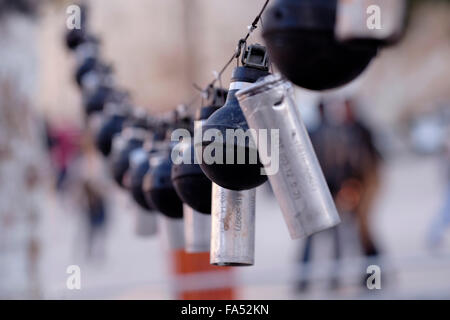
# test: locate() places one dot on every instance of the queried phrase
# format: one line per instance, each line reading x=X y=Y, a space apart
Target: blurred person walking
x=88 y=186
x=350 y=162
x=63 y=147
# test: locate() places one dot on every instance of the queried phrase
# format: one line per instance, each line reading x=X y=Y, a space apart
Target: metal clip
x=256 y=56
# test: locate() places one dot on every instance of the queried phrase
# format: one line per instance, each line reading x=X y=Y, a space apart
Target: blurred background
x=383 y=142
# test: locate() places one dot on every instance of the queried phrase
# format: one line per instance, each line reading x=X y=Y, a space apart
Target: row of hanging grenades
x=302 y=39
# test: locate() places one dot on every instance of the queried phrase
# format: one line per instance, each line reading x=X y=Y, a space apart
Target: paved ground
x=139 y=268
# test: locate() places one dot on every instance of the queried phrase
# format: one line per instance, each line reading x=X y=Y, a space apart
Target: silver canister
x=292 y=166
x=232 y=227
x=197 y=230
x=173 y=232
x=146 y=223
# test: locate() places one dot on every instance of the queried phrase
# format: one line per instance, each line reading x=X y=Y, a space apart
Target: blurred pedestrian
x=63 y=146
x=350 y=162
x=89 y=185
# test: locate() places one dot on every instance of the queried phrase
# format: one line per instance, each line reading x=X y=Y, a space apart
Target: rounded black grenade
x=300 y=38
x=120 y=160
x=233 y=175
x=136 y=179
x=74 y=38
x=88 y=65
x=191 y=184
x=96 y=100
x=158 y=187
x=111 y=126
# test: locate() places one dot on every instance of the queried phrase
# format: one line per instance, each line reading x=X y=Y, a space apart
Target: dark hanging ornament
x=74 y=38
x=112 y=125
x=88 y=65
x=158 y=188
x=130 y=139
x=191 y=184
x=117 y=112
x=96 y=100
x=236 y=176
x=137 y=175
x=300 y=37
x=88 y=61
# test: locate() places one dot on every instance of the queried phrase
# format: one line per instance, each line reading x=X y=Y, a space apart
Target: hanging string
x=205 y=92
x=242 y=42
x=270 y=61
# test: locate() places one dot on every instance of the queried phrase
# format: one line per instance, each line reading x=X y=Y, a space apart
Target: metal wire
x=242 y=42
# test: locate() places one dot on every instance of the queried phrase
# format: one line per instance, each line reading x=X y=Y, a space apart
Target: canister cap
x=247 y=74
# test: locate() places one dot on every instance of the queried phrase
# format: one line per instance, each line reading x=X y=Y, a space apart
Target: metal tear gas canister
x=378 y=21
x=146 y=223
x=232 y=227
x=194 y=188
x=172 y=232
x=298 y=182
x=235 y=246
x=197 y=230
